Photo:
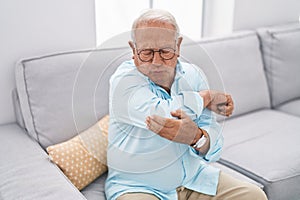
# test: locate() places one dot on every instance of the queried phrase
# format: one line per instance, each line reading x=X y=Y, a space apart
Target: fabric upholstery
x=264 y=145
x=17 y=108
x=64 y=93
x=95 y=190
x=26 y=172
x=281 y=50
x=233 y=64
x=291 y=107
x=83 y=158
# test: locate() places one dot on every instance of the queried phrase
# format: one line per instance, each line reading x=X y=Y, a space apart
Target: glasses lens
x=146 y=55
x=167 y=53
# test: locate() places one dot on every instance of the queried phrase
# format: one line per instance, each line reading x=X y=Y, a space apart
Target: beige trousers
x=229 y=188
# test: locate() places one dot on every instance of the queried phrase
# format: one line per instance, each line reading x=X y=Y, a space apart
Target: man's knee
x=232 y=188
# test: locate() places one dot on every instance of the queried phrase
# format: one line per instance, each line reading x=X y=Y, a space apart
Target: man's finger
x=153 y=125
x=158 y=128
x=229 y=100
x=229 y=110
x=176 y=113
x=158 y=119
x=165 y=122
x=180 y=114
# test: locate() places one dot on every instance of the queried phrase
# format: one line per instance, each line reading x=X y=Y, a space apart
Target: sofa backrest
x=64 y=93
x=237 y=60
x=281 y=55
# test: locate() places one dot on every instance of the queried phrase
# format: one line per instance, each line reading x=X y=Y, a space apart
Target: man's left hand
x=221 y=104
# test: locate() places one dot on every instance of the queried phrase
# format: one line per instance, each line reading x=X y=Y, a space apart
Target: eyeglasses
x=146 y=55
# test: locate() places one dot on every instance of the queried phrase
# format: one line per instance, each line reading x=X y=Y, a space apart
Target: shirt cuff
x=216 y=143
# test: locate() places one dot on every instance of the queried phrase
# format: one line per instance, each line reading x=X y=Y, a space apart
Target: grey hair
x=154 y=15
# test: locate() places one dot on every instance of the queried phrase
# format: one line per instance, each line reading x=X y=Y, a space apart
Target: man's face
x=159 y=40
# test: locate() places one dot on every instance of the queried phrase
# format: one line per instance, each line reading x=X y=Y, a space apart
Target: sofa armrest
x=26 y=171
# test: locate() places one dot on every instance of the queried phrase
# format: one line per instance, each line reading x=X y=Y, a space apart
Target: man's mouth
x=157 y=72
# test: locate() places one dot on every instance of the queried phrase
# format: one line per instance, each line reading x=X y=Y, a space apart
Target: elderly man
x=162 y=131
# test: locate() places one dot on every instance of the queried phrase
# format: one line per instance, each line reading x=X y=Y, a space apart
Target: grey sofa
x=61 y=94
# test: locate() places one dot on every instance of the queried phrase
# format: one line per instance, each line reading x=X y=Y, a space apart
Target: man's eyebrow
x=160 y=46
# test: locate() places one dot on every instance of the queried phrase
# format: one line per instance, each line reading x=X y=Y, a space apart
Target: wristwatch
x=200 y=142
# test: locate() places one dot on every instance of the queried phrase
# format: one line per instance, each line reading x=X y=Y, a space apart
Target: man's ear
x=131 y=44
x=179 y=40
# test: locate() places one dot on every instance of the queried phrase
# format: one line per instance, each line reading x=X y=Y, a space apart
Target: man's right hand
x=218 y=102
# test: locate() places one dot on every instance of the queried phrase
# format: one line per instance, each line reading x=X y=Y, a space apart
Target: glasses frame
x=153 y=51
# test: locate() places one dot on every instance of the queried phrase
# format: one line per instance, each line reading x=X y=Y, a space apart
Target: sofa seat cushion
x=26 y=171
x=291 y=107
x=264 y=145
x=281 y=50
x=95 y=190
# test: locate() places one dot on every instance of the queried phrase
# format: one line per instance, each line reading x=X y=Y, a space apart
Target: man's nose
x=157 y=60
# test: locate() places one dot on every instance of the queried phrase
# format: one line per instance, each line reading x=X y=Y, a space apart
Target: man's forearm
x=206 y=97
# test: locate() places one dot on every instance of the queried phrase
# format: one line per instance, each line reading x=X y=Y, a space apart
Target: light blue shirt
x=142 y=161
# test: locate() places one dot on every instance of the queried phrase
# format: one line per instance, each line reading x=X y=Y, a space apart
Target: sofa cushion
x=26 y=172
x=83 y=158
x=264 y=145
x=17 y=108
x=291 y=107
x=65 y=93
x=233 y=64
x=281 y=50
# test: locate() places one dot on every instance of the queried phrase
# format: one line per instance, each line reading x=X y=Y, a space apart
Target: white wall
x=218 y=17
x=110 y=24
x=224 y=16
x=187 y=14
x=34 y=27
x=249 y=14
